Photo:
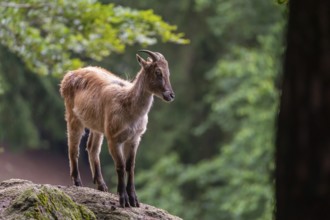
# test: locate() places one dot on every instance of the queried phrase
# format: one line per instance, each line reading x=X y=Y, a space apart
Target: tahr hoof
x=123 y=200
x=102 y=187
x=77 y=182
x=133 y=201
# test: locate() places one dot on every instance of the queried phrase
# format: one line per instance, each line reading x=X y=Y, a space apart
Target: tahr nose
x=168 y=96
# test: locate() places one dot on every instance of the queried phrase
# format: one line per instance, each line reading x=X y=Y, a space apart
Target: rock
x=22 y=199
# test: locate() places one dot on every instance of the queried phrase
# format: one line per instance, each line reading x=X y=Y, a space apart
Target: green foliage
x=241 y=81
x=283 y=1
x=239 y=108
x=233 y=20
x=15 y=111
x=168 y=196
x=31 y=110
x=244 y=85
x=52 y=37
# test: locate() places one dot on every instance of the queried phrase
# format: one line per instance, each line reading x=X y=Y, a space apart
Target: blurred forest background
x=207 y=155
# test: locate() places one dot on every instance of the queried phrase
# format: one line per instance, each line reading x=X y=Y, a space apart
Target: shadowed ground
x=40 y=167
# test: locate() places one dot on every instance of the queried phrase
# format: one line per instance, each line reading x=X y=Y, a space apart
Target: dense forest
x=207 y=155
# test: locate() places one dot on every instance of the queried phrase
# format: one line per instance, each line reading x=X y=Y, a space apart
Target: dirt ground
x=40 y=166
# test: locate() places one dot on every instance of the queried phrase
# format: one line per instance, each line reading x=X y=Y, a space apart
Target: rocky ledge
x=22 y=199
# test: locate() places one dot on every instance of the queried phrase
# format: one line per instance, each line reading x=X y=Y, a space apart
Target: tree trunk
x=303 y=136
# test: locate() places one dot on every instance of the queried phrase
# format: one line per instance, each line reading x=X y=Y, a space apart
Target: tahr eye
x=159 y=74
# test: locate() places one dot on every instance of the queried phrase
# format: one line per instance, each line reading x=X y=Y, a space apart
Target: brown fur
x=108 y=105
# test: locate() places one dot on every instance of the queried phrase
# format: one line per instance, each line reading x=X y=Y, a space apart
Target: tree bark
x=303 y=135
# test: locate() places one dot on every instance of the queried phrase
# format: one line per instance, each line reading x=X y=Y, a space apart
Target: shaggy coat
x=117 y=109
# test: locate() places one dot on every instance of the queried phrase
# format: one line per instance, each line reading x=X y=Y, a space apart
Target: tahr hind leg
x=75 y=131
x=94 y=148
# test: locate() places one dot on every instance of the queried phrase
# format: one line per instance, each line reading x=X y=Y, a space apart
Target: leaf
x=53 y=37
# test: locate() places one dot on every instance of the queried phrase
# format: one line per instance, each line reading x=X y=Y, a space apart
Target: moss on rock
x=47 y=202
x=24 y=200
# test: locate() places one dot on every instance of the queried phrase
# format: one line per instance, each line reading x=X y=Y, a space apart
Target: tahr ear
x=141 y=61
